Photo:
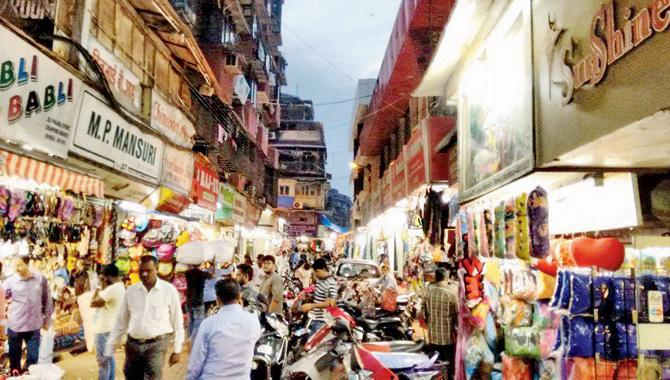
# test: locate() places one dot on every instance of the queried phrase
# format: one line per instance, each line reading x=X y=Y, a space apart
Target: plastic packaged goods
x=516 y=313
x=580 y=294
x=580 y=336
x=623 y=302
x=523 y=342
x=516 y=368
x=476 y=353
x=603 y=294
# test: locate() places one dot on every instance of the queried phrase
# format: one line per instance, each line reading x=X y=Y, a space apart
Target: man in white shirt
x=224 y=346
x=150 y=314
x=106 y=301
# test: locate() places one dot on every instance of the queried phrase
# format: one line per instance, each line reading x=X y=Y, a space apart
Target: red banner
x=205 y=184
x=440 y=164
x=416 y=161
x=399 y=180
x=387 y=193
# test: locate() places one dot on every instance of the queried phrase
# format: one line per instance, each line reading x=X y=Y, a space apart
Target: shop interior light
x=354 y=165
x=131 y=206
x=281 y=220
x=27 y=147
x=219 y=205
x=403 y=203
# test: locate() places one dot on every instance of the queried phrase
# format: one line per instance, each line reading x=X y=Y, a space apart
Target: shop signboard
x=495 y=107
x=303 y=230
x=438 y=165
x=103 y=136
x=178 y=170
x=38 y=97
x=399 y=181
x=239 y=209
x=125 y=85
x=598 y=75
x=253 y=215
x=171 y=122
x=224 y=211
x=205 y=184
x=416 y=160
x=34 y=17
x=387 y=194
x=171 y=201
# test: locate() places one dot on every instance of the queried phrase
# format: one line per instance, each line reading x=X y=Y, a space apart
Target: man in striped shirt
x=325 y=295
x=440 y=306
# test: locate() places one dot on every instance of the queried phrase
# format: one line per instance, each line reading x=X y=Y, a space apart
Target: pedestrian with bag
x=151 y=315
x=195 y=291
x=30 y=309
x=106 y=301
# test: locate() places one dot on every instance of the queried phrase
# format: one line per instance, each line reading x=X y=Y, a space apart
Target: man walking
x=150 y=314
x=195 y=291
x=31 y=308
x=107 y=302
x=441 y=305
x=250 y=301
x=325 y=295
x=272 y=288
x=224 y=346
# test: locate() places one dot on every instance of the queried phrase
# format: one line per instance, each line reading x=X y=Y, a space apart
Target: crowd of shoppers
x=149 y=313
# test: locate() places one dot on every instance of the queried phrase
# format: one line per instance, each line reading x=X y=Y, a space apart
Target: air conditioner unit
x=298 y=205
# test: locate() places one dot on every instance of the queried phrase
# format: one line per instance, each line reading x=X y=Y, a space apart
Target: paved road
x=85 y=367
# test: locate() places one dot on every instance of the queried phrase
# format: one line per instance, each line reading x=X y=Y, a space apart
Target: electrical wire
x=316 y=51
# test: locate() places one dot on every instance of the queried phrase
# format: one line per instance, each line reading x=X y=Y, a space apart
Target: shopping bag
x=389 y=299
x=47 y=346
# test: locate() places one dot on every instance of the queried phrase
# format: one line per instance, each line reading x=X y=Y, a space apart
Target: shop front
x=51 y=209
x=559 y=230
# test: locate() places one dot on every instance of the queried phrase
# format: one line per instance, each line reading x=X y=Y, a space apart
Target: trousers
x=16 y=340
x=145 y=361
x=106 y=364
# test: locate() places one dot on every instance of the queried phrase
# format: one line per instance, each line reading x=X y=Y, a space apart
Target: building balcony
x=165 y=20
x=414 y=37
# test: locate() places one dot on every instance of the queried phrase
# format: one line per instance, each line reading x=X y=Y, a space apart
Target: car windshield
x=358 y=269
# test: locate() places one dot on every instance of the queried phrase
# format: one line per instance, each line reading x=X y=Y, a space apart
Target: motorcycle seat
x=374 y=323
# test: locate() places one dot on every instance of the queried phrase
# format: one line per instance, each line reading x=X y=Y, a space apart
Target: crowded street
x=334 y=190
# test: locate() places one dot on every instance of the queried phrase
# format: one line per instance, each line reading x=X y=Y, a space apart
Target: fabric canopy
x=41 y=172
x=329 y=224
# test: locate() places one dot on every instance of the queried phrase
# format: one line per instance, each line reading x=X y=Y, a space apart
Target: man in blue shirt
x=224 y=346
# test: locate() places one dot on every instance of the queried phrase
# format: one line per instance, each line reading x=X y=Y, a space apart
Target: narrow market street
x=334 y=189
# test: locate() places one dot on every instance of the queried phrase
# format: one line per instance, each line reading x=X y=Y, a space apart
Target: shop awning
x=329 y=224
x=469 y=25
x=41 y=172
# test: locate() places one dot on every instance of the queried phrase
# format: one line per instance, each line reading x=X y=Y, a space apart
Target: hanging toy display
x=522 y=238
x=500 y=247
x=538 y=215
x=510 y=229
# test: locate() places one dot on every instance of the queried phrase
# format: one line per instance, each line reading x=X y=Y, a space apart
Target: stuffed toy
x=605 y=253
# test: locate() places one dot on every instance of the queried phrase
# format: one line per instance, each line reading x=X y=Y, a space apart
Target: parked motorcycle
x=384 y=326
x=271 y=349
x=334 y=351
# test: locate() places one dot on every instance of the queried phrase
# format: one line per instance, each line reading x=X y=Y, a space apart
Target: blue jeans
x=106 y=364
x=16 y=339
x=196 y=314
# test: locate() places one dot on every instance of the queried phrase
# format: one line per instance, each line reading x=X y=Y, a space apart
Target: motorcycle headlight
x=280 y=327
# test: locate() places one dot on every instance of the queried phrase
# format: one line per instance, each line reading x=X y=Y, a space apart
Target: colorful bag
x=389 y=299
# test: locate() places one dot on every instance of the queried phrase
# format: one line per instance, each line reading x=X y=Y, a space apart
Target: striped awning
x=41 y=172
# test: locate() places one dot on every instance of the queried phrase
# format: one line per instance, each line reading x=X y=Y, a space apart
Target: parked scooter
x=333 y=350
x=271 y=349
